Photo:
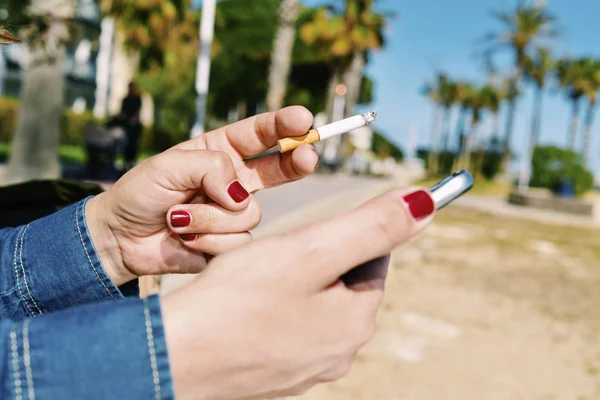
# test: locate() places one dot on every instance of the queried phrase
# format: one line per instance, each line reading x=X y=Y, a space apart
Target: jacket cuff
x=97 y=351
x=56 y=266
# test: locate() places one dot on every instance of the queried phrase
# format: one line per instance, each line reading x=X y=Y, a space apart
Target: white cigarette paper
x=327 y=131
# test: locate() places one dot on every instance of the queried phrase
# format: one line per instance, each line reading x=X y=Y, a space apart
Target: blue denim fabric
x=66 y=331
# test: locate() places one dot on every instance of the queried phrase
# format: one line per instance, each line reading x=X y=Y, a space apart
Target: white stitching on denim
x=23 y=269
x=27 y=361
x=152 y=351
x=86 y=250
x=15 y=364
x=19 y=237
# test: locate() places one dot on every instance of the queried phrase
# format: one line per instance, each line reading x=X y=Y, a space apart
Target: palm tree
x=448 y=94
x=537 y=70
x=34 y=148
x=281 y=57
x=462 y=98
x=491 y=99
x=346 y=38
x=476 y=100
x=570 y=74
x=527 y=26
x=590 y=90
x=434 y=93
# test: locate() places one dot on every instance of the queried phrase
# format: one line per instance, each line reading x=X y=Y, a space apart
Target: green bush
x=384 y=148
x=492 y=164
x=159 y=140
x=551 y=165
x=73 y=125
x=9 y=110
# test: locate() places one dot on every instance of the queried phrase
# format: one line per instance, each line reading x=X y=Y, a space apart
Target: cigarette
x=327 y=131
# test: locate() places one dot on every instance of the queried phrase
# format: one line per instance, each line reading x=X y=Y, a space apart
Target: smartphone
x=451 y=188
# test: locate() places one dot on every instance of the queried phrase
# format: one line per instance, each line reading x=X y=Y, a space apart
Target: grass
x=67 y=153
x=500 y=190
x=553 y=267
x=74 y=154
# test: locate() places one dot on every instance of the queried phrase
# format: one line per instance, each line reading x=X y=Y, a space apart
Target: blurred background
x=500 y=299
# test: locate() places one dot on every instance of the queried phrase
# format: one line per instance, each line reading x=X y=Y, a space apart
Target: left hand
x=129 y=223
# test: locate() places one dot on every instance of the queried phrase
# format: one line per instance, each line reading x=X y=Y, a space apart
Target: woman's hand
x=280 y=315
x=130 y=223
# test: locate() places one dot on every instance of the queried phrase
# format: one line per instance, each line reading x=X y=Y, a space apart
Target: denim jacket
x=66 y=331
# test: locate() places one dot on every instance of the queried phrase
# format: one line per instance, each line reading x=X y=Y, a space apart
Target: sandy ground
x=482 y=307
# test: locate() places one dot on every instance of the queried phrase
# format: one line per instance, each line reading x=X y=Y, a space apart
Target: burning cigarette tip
x=370 y=117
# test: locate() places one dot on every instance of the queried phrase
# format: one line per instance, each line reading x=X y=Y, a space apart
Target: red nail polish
x=188 y=237
x=180 y=219
x=237 y=192
x=420 y=204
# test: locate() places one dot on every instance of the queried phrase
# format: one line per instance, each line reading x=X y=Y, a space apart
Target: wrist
x=105 y=241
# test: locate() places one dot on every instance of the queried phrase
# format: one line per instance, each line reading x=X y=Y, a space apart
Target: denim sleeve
x=51 y=264
x=106 y=350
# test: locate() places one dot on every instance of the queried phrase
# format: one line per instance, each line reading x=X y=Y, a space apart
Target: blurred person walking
x=130 y=110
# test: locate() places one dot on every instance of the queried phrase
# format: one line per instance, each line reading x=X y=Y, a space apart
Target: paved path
x=501 y=208
x=279 y=201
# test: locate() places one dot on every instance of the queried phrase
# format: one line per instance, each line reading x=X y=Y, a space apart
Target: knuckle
x=208 y=244
x=255 y=215
x=385 y=225
x=207 y=218
x=220 y=159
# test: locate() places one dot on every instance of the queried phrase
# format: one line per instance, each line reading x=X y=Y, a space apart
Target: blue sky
x=442 y=34
x=430 y=34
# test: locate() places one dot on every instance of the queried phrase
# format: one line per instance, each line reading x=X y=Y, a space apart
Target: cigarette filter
x=327 y=131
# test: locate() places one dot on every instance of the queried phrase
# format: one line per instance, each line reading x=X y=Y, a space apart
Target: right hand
x=278 y=316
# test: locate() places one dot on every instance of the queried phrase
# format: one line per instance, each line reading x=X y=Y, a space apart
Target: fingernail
x=420 y=204
x=237 y=192
x=180 y=219
x=188 y=237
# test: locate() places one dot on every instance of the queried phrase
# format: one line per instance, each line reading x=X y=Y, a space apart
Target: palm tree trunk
x=537 y=123
x=470 y=139
x=510 y=119
x=525 y=168
x=281 y=58
x=587 y=135
x=465 y=154
x=495 y=125
x=432 y=163
x=34 y=148
x=353 y=79
x=480 y=158
x=334 y=81
x=574 y=125
x=460 y=129
x=445 y=142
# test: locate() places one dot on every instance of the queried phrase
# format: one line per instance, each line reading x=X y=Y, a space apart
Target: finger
x=212 y=218
x=215 y=244
x=213 y=172
x=321 y=253
x=257 y=134
x=278 y=169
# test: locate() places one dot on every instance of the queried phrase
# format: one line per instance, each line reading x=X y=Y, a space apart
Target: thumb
x=317 y=255
x=212 y=172
x=367 y=233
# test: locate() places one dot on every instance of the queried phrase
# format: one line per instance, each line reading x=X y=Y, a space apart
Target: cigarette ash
x=370 y=117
